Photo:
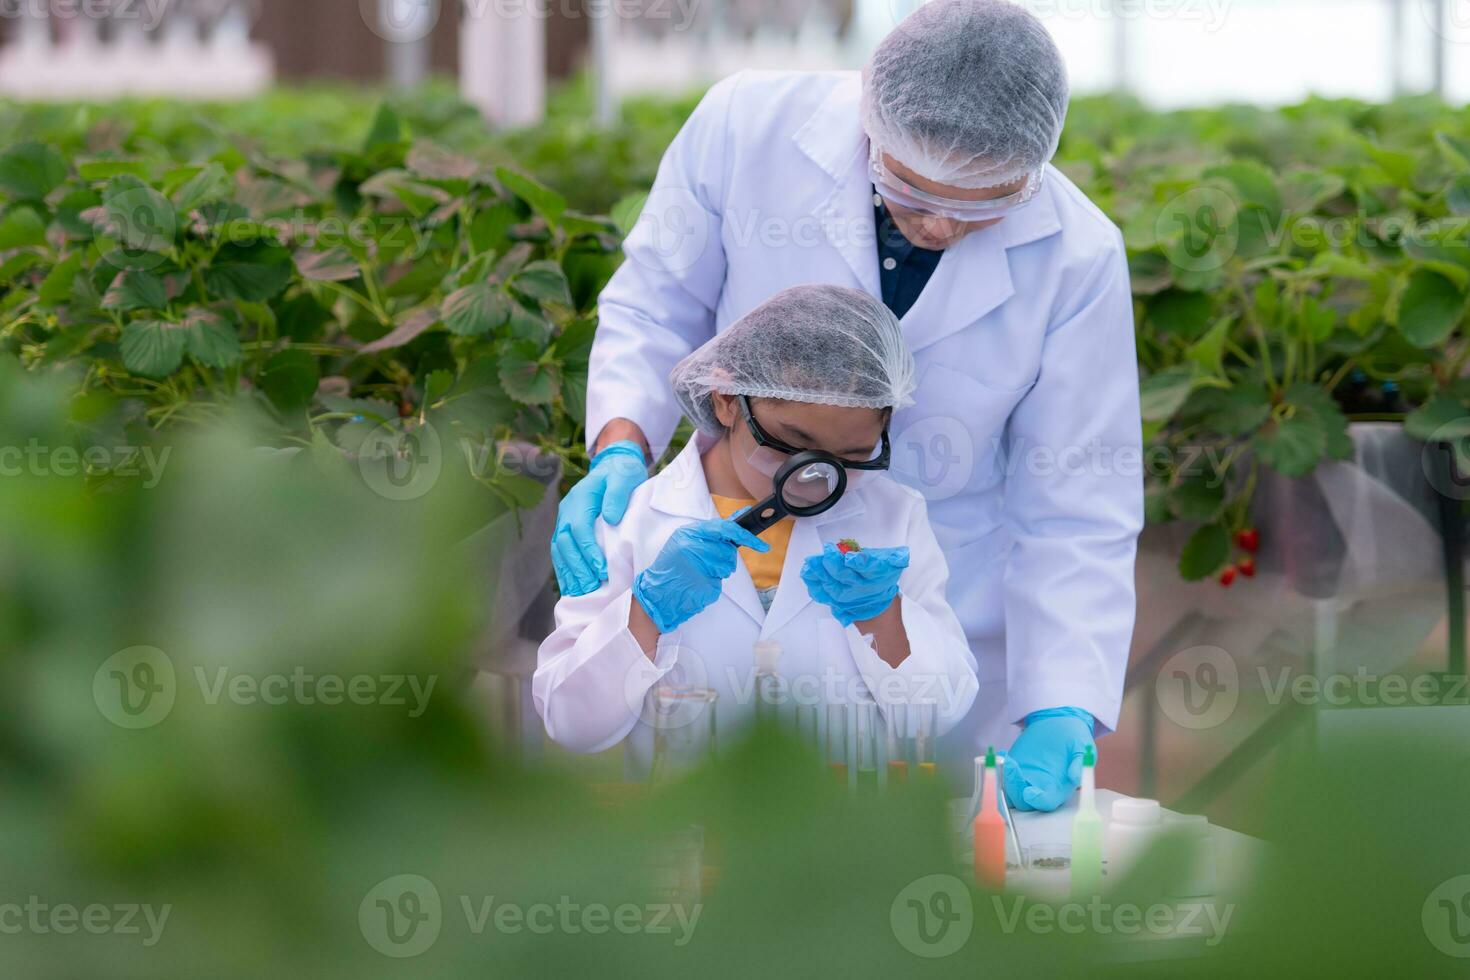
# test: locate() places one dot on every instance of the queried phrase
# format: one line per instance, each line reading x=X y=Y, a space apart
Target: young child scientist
x=853 y=599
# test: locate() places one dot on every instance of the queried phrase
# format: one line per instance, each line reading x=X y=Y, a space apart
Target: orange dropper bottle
x=990 y=831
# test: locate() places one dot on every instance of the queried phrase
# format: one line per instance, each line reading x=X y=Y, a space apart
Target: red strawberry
x=1247 y=567
x=848 y=546
x=1227 y=577
x=1249 y=539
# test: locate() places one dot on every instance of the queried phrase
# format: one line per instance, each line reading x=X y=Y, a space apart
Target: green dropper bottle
x=1087 y=835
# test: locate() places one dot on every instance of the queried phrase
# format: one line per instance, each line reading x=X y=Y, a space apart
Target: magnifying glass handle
x=763 y=516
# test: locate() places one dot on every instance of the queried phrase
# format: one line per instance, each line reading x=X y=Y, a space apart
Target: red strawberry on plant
x=1249 y=539
x=1247 y=567
x=849 y=546
x=1227 y=577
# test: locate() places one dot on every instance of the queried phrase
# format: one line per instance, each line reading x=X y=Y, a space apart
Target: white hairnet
x=969 y=93
x=827 y=345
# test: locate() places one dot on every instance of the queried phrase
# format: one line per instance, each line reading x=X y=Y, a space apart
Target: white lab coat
x=1025 y=437
x=592 y=677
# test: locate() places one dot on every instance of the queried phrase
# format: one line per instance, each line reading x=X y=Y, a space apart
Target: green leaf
x=17 y=264
x=1163 y=394
x=101 y=171
x=137 y=217
x=30 y=171
x=542 y=199
x=1444 y=418
x=543 y=282
x=1293 y=447
x=211 y=183
x=1206 y=552
x=1457 y=195
x=1256 y=184
x=1209 y=351
x=152 y=348
x=529 y=325
x=22 y=228
x=1198 y=498
x=211 y=338
x=476 y=309
x=1239 y=410
x=1430 y=309
x=625 y=213
x=527 y=379
x=332 y=265
x=1181 y=314
x=437 y=385
x=135 y=291
x=253 y=273
x=56 y=287
x=289 y=379
x=387 y=130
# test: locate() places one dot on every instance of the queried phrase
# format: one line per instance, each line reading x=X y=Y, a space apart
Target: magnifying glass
x=809 y=484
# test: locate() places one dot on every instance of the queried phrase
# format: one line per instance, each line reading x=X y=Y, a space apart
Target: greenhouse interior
x=512 y=487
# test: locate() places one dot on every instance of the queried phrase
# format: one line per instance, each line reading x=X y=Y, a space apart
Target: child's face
x=847 y=433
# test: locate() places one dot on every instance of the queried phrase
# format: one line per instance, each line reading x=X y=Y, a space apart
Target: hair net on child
x=969 y=93
x=827 y=345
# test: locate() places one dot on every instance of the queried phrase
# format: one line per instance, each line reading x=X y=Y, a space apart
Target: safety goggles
x=910 y=198
x=771 y=453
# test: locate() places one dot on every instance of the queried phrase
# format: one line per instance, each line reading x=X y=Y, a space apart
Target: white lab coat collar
x=955 y=297
x=681 y=491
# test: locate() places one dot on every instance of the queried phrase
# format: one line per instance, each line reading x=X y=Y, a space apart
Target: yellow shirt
x=765 y=569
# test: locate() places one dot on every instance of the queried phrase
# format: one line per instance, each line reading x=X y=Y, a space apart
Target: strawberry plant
x=399 y=284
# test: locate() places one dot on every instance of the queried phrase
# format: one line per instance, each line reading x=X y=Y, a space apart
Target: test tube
x=684 y=729
x=837 y=742
x=867 y=748
x=807 y=722
x=924 y=722
x=899 y=744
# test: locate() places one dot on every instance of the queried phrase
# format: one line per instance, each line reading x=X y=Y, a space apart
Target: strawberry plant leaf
x=211 y=339
x=22 y=228
x=152 y=348
x=1293 y=446
x=476 y=309
x=527 y=379
x=387 y=130
x=289 y=379
x=30 y=171
x=1207 y=550
x=542 y=199
x=211 y=183
x=1198 y=498
x=1430 y=309
x=332 y=265
x=1163 y=394
x=544 y=282
x=529 y=325
x=410 y=327
x=135 y=291
x=252 y=273
x=1444 y=417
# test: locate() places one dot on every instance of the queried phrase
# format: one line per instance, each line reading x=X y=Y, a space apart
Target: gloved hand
x=615 y=473
x=855 y=586
x=1044 y=765
x=686 y=576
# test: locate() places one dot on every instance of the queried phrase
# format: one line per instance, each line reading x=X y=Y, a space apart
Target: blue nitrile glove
x=1044 y=766
x=856 y=586
x=686 y=576
x=615 y=473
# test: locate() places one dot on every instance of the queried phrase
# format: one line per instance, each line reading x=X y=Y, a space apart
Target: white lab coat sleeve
x=1074 y=506
x=940 y=666
x=591 y=674
x=660 y=304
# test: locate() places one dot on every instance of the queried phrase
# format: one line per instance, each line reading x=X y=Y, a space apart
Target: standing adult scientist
x=926 y=181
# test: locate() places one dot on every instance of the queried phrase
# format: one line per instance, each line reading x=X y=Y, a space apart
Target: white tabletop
x=1237 y=859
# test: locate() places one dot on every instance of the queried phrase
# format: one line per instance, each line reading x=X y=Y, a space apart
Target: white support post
x=502 y=63
x=405 y=27
x=1122 y=36
x=1397 y=38
x=604 y=27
